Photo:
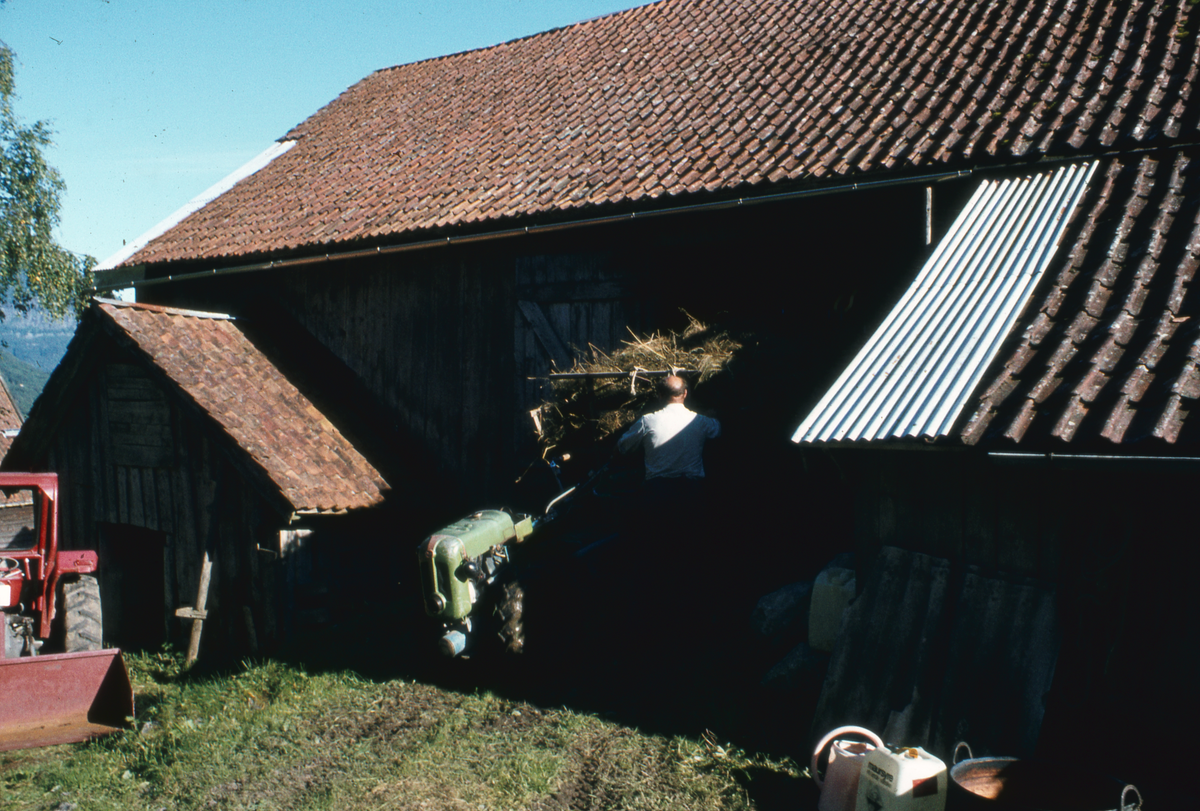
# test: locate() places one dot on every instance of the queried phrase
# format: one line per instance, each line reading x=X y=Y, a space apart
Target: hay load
x=598 y=398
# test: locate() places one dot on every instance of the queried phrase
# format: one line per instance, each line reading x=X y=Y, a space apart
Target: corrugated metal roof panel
x=913 y=377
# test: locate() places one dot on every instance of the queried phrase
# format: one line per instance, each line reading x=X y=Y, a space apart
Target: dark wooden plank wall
x=442 y=342
x=172 y=479
x=442 y=336
x=426 y=341
x=1108 y=541
x=1114 y=543
x=959 y=507
x=587 y=303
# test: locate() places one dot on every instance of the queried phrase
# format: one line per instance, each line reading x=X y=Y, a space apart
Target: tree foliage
x=34 y=269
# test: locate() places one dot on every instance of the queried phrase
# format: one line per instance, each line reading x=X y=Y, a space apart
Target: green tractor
x=460 y=562
x=474 y=571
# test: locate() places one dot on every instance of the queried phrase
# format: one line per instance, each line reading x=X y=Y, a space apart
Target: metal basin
x=1012 y=784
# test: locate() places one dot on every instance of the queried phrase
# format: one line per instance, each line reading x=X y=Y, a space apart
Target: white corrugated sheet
x=914 y=376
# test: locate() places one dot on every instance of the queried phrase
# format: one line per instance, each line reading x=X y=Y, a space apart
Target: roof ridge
x=158 y=308
x=297 y=132
x=692 y=100
x=514 y=40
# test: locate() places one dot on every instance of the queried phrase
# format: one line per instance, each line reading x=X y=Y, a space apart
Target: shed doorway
x=132 y=586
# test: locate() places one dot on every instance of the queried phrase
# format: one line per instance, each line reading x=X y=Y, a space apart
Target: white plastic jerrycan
x=839 y=788
x=903 y=778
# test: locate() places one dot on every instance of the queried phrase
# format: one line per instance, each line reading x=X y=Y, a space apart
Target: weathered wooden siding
x=567 y=307
x=455 y=342
x=1029 y=521
x=426 y=342
x=1113 y=543
x=449 y=347
x=133 y=469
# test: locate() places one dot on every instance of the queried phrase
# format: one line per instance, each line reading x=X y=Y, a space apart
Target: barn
x=445 y=234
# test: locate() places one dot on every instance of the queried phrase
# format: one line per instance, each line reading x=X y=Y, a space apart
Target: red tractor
x=49 y=601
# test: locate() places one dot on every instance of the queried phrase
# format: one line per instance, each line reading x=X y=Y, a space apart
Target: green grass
x=273 y=737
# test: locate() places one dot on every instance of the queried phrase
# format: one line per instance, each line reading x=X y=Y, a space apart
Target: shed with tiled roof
x=177 y=437
x=10 y=419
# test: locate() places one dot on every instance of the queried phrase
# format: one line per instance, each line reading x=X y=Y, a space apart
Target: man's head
x=674 y=388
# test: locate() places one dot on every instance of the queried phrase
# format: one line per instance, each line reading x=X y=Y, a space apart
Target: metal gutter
x=913 y=376
x=1079 y=461
x=129 y=277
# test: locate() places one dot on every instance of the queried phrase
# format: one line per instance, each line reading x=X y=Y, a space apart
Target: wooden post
x=197 y=613
x=929 y=215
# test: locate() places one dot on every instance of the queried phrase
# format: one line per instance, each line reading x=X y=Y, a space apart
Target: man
x=673 y=437
x=671 y=513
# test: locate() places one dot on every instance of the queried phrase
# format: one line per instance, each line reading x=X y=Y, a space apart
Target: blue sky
x=153 y=102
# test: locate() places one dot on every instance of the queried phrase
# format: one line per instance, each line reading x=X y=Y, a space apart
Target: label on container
x=880 y=775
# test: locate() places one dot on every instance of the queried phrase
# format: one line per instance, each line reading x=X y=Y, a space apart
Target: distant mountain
x=30 y=347
x=25 y=381
x=36 y=338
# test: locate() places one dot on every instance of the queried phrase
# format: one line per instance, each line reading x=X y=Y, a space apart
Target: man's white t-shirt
x=674 y=439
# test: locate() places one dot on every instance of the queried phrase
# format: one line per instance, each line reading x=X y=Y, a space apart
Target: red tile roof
x=1109 y=352
x=690 y=97
x=10 y=419
x=217 y=367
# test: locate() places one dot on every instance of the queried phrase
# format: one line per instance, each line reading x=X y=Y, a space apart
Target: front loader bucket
x=63 y=698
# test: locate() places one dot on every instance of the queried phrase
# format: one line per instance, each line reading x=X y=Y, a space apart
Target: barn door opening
x=132 y=586
x=566 y=305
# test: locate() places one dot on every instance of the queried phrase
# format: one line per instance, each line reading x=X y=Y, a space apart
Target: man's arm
x=633 y=437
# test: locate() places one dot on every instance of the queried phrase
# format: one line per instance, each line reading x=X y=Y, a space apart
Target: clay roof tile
x=852 y=88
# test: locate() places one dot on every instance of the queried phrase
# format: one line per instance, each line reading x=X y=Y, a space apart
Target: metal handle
x=866 y=733
x=958 y=748
x=1125 y=791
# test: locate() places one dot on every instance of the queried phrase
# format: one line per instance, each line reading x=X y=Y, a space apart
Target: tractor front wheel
x=83 y=627
x=511 y=612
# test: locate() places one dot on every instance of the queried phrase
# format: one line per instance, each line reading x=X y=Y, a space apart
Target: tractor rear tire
x=511 y=611
x=83 y=625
